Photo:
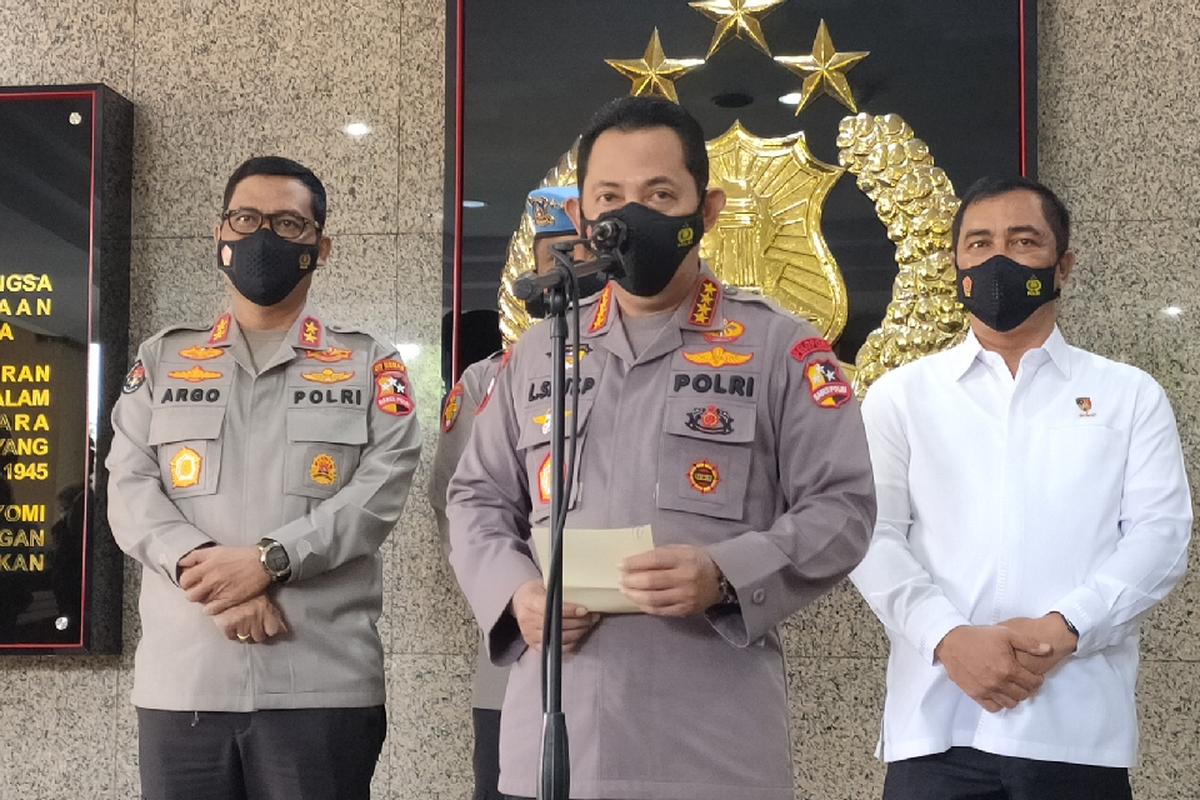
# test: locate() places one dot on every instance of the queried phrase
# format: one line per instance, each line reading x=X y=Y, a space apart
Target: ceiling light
x=473 y=204
x=357 y=129
x=792 y=99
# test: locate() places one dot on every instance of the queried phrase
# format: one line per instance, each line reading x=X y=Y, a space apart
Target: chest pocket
x=534 y=442
x=324 y=445
x=188 y=439
x=704 y=456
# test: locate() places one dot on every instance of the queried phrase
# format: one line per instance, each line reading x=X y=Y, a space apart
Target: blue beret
x=547 y=207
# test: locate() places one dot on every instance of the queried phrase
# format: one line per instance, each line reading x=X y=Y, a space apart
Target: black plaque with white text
x=65 y=177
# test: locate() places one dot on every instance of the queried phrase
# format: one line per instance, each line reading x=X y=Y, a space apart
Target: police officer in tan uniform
x=256 y=468
x=709 y=414
x=546 y=207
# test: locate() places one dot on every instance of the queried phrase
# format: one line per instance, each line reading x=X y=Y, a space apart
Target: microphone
x=608 y=235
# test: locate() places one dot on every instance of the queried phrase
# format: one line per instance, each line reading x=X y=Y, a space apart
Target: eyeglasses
x=286 y=224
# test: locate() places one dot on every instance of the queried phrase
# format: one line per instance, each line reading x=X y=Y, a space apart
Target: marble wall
x=215 y=81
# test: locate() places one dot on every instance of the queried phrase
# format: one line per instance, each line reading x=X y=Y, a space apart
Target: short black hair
x=285 y=167
x=1053 y=209
x=639 y=113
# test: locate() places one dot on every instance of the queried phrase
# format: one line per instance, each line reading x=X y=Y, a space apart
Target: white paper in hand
x=590 y=559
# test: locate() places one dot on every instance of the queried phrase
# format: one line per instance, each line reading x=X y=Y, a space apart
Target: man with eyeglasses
x=258 y=463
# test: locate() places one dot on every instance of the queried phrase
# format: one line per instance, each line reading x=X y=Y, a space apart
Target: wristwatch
x=274 y=560
x=729 y=596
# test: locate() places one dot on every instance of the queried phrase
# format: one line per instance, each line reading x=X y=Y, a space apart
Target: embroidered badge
x=329 y=355
x=195 y=374
x=451 y=407
x=806 y=347
x=327 y=375
x=185 y=468
x=826 y=385
x=703 y=477
x=392 y=393
x=1085 y=406
x=603 y=305
x=135 y=378
x=323 y=470
x=310 y=331
x=543 y=480
x=711 y=420
x=705 y=302
x=545 y=419
x=718 y=357
x=220 y=330
x=584 y=349
x=732 y=331
x=967 y=284
x=1033 y=287
x=201 y=353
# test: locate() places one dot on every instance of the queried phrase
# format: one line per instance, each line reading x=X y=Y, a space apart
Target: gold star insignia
x=654 y=73
x=735 y=17
x=824 y=67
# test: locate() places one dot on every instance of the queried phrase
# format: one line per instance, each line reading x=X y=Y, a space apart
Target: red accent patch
x=220 y=330
x=543 y=480
x=806 y=347
x=310 y=332
x=450 y=410
x=826 y=385
x=704 y=477
x=705 y=303
x=393 y=395
x=603 y=306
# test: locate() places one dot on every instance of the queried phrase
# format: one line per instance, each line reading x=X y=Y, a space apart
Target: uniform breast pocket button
x=758 y=597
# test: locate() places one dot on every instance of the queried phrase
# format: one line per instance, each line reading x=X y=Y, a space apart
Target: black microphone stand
x=558 y=284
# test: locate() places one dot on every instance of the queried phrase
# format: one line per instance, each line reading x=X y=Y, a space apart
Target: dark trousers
x=486 y=759
x=963 y=773
x=294 y=754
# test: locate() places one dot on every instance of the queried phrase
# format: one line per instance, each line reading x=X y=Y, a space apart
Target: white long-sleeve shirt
x=1062 y=489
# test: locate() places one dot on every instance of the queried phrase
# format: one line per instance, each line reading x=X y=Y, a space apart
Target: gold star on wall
x=824 y=68
x=654 y=73
x=735 y=17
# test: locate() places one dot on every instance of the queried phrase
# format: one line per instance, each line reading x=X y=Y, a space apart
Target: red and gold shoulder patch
x=806 y=347
x=602 y=310
x=393 y=395
x=543 y=480
x=452 y=407
x=220 y=330
x=196 y=353
x=718 y=357
x=327 y=375
x=310 y=332
x=195 y=374
x=826 y=385
x=704 y=477
x=330 y=355
x=135 y=378
x=731 y=332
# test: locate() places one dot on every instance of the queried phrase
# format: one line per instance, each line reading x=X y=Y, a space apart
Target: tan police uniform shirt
x=315 y=449
x=734 y=431
x=458 y=416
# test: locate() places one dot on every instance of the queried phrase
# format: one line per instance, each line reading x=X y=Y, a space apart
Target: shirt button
x=758 y=597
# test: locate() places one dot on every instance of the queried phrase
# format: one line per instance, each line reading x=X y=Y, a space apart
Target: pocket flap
x=710 y=420
x=339 y=425
x=179 y=423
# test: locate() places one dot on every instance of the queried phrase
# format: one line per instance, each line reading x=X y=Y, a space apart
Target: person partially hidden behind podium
x=257 y=466
x=760 y=496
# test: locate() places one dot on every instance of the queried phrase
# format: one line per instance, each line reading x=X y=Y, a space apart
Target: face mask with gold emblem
x=264 y=267
x=655 y=245
x=1002 y=293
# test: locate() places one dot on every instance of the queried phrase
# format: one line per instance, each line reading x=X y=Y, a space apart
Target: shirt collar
x=307 y=332
x=967 y=353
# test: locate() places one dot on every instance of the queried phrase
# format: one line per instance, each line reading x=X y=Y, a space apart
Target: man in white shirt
x=1033 y=506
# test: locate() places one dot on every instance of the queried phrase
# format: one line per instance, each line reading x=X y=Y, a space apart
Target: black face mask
x=1003 y=293
x=655 y=245
x=264 y=267
x=588 y=286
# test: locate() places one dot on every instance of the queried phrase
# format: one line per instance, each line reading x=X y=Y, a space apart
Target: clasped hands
x=231 y=584
x=671 y=581
x=999 y=666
